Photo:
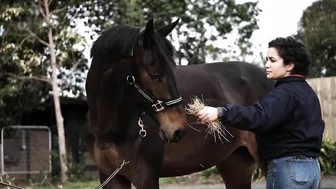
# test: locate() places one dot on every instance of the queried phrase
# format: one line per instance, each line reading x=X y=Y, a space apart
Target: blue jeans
x=293 y=173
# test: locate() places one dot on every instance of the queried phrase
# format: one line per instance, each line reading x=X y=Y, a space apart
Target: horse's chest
x=107 y=159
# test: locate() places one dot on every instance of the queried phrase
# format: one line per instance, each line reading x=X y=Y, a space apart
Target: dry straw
x=214 y=128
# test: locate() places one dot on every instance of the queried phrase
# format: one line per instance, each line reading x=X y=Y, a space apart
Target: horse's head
x=155 y=83
x=132 y=71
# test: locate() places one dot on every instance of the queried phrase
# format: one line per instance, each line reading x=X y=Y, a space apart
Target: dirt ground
x=199 y=181
x=215 y=182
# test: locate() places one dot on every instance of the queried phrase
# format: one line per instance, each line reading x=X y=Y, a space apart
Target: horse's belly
x=194 y=153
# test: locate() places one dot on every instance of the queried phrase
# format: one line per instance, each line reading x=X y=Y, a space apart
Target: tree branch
x=73 y=68
x=61 y=9
x=46 y=8
x=41 y=10
x=38 y=78
x=21 y=43
x=37 y=37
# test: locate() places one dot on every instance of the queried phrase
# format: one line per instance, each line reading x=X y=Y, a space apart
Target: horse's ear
x=164 y=31
x=148 y=33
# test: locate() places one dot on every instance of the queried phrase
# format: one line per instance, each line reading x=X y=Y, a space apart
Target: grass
x=208 y=172
x=167 y=180
x=70 y=185
x=92 y=184
x=91 y=181
x=86 y=184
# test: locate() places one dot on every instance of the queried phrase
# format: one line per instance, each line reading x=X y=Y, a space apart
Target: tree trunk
x=58 y=112
x=56 y=96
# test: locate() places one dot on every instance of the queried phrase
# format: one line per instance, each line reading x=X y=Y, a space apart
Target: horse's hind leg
x=118 y=182
x=237 y=169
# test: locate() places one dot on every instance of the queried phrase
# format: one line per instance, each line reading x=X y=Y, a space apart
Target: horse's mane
x=115 y=42
x=118 y=42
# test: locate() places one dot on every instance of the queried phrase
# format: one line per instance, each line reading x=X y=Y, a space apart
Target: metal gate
x=25 y=150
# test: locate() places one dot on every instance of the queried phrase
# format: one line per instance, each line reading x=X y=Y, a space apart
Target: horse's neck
x=127 y=121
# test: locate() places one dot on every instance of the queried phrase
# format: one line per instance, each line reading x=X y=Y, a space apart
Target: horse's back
x=230 y=82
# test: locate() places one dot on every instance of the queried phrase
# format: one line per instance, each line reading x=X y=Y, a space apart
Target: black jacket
x=286 y=122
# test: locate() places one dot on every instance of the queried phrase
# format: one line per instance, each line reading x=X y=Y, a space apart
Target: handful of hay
x=214 y=128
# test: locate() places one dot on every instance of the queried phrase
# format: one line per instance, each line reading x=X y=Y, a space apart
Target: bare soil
x=198 y=181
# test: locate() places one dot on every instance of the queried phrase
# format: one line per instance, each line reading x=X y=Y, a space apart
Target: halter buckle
x=130 y=79
x=142 y=133
x=158 y=106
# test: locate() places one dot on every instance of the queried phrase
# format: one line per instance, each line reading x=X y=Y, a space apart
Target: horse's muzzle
x=176 y=137
x=173 y=123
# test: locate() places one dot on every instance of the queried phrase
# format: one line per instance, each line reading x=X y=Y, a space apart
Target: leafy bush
x=257 y=174
x=327 y=157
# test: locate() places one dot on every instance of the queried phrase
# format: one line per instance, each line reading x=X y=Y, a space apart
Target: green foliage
x=71 y=185
x=211 y=171
x=76 y=170
x=167 y=180
x=317 y=30
x=257 y=174
x=203 y=22
x=327 y=157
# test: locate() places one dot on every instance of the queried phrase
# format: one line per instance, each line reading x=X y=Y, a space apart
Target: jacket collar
x=291 y=78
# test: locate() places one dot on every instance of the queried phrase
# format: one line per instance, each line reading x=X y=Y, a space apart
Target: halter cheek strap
x=157 y=105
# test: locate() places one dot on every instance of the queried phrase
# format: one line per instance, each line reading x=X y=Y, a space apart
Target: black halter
x=157 y=105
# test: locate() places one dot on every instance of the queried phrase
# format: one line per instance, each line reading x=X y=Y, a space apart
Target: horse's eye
x=155 y=78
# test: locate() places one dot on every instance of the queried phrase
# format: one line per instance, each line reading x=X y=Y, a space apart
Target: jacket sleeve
x=263 y=115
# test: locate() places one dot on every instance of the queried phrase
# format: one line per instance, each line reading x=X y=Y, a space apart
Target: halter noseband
x=157 y=105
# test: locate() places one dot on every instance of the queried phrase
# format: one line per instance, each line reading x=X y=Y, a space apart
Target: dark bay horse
x=115 y=106
x=132 y=75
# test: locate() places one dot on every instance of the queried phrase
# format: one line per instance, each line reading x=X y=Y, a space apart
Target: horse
x=131 y=76
x=131 y=70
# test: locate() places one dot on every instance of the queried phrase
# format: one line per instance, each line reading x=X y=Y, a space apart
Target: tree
x=203 y=22
x=37 y=45
x=317 y=30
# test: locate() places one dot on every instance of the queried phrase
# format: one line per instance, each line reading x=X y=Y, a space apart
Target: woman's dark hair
x=292 y=51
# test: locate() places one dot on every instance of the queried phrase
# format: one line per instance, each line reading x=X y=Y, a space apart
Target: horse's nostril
x=178 y=134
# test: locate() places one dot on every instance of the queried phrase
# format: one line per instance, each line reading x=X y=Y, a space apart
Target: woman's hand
x=208 y=114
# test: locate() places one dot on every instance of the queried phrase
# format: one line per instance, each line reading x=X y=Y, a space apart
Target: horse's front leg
x=146 y=180
x=146 y=166
x=118 y=182
x=145 y=175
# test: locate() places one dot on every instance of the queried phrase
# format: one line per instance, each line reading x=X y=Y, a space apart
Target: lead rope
x=112 y=175
x=142 y=134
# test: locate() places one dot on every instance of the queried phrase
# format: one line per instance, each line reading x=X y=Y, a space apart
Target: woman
x=287 y=122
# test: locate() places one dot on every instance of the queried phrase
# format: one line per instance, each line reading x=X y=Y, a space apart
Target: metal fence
x=25 y=150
